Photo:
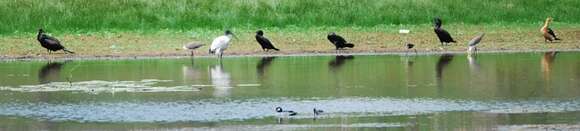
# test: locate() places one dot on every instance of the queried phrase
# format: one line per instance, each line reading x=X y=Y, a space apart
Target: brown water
x=507 y=91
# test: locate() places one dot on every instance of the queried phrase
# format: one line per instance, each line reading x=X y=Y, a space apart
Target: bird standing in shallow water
x=264 y=42
x=338 y=41
x=192 y=46
x=220 y=44
x=442 y=34
x=317 y=111
x=50 y=43
x=473 y=43
x=548 y=33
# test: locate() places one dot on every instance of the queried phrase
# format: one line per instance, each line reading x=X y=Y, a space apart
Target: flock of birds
x=221 y=43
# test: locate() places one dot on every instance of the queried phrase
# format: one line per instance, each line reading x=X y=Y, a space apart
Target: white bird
x=221 y=43
x=473 y=43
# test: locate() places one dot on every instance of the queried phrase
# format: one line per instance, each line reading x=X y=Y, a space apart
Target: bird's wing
x=336 y=39
x=443 y=34
x=267 y=43
x=551 y=32
x=475 y=40
x=51 y=40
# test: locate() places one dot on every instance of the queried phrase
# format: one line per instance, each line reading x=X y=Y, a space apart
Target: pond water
x=507 y=91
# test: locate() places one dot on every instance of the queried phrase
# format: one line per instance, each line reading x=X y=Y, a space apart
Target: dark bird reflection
x=221 y=81
x=546 y=62
x=444 y=60
x=263 y=65
x=50 y=72
x=338 y=61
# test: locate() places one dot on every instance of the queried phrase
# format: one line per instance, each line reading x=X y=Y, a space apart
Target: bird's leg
x=191 y=52
x=415 y=51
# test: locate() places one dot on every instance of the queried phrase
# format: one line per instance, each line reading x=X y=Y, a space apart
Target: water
x=509 y=91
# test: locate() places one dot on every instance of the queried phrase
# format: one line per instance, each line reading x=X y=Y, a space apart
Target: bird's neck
x=39 y=35
x=546 y=24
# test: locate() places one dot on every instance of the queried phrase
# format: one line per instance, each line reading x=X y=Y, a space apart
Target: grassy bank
x=291 y=40
x=82 y=16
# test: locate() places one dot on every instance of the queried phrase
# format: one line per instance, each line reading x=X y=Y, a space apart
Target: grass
x=292 y=40
x=85 y=16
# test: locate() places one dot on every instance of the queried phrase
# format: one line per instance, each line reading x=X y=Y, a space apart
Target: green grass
x=81 y=16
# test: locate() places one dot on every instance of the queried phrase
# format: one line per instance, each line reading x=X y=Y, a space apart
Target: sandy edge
x=347 y=52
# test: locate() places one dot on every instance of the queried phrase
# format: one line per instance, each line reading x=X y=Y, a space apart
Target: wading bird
x=338 y=41
x=220 y=44
x=192 y=46
x=264 y=42
x=289 y=112
x=50 y=43
x=317 y=111
x=442 y=34
x=411 y=46
x=548 y=33
x=473 y=43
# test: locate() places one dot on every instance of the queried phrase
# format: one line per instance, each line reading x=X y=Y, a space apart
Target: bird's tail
x=350 y=45
x=453 y=41
x=557 y=38
x=68 y=51
x=276 y=49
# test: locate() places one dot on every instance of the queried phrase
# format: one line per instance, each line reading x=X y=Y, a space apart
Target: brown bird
x=548 y=33
x=192 y=46
x=473 y=43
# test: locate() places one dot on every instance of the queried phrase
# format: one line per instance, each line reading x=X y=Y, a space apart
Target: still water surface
x=506 y=91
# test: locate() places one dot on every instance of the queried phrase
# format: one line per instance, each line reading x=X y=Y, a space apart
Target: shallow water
x=508 y=91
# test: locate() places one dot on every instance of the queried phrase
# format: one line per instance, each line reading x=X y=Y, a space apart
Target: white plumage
x=220 y=44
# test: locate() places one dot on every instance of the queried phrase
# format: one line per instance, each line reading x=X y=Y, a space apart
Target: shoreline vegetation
x=157 y=28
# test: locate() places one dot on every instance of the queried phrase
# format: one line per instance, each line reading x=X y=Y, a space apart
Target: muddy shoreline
x=61 y=56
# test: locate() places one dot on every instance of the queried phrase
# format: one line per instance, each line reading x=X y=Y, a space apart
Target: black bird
x=410 y=46
x=50 y=43
x=338 y=41
x=442 y=34
x=317 y=111
x=264 y=42
x=290 y=113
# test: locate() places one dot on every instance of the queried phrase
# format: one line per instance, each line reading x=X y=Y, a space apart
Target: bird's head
x=40 y=30
x=278 y=109
x=437 y=22
x=549 y=19
x=230 y=34
x=260 y=32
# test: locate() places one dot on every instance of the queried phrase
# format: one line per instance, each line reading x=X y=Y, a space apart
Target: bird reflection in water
x=444 y=60
x=221 y=81
x=338 y=61
x=190 y=72
x=473 y=65
x=263 y=65
x=546 y=62
x=50 y=72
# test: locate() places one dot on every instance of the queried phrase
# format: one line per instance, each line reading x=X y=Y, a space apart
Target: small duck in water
x=290 y=113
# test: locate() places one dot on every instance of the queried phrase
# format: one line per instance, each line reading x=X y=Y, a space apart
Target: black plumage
x=442 y=34
x=50 y=43
x=551 y=32
x=410 y=45
x=264 y=42
x=338 y=41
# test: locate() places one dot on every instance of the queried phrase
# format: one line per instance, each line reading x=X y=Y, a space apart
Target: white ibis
x=220 y=44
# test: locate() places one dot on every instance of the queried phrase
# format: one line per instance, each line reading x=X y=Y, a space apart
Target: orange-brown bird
x=548 y=33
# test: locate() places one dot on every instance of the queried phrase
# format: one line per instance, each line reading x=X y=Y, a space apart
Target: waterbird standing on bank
x=317 y=111
x=264 y=42
x=338 y=41
x=411 y=46
x=289 y=112
x=50 y=43
x=473 y=43
x=220 y=44
x=192 y=46
x=548 y=33
x=442 y=34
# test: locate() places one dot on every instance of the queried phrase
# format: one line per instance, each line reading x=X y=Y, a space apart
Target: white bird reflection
x=221 y=81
